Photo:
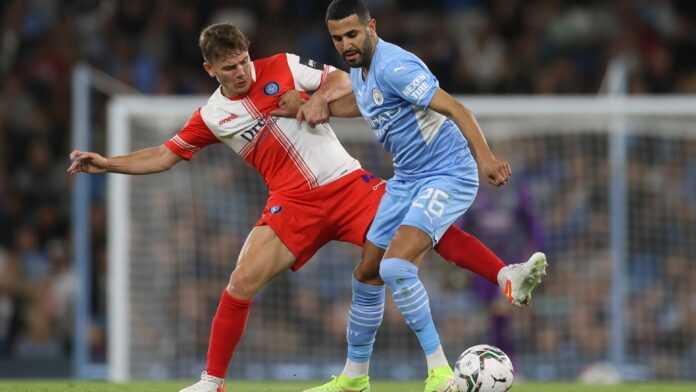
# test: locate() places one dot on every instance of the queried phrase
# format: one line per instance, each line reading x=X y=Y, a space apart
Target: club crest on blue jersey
x=275 y=209
x=271 y=88
x=377 y=96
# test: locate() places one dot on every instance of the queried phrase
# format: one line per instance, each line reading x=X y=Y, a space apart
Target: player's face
x=353 y=39
x=233 y=72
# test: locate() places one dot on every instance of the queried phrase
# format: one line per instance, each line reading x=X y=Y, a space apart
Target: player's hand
x=86 y=162
x=497 y=171
x=289 y=104
x=315 y=111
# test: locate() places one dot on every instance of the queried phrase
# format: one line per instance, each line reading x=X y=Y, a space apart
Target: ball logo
x=271 y=88
x=377 y=96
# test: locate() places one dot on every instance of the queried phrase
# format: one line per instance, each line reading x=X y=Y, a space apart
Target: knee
x=367 y=275
x=388 y=270
x=409 y=243
x=242 y=285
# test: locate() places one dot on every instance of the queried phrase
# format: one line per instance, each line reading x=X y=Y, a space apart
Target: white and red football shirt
x=290 y=157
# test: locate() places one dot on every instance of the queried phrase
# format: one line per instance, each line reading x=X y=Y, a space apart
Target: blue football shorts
x=430 y=204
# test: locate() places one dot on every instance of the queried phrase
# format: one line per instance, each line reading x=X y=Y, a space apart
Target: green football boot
x=440 y=379
x=344 y=384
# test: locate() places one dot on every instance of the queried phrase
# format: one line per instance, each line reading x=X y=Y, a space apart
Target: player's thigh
x=392 y=209
x=262 y=257
x=367 y=270
x=355 y=209
x=439 y=202
x=409 y=243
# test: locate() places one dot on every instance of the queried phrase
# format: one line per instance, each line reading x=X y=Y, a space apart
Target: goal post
x=602 y=184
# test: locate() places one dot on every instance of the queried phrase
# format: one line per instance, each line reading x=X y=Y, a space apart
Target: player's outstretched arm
x=145 y=161
x=497 y=171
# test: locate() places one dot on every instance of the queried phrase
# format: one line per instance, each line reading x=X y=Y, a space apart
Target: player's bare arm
x=336 y=85
x=145 y=161
x=316 y=109
x=290 y=103
x=497 y=171
x=345 y=106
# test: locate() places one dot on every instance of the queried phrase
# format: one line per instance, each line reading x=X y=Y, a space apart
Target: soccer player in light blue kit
x=431 y=137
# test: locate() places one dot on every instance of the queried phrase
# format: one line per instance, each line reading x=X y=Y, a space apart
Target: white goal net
x=606 y=187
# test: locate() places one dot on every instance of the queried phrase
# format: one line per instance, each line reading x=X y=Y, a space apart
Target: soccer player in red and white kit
x=317 y=191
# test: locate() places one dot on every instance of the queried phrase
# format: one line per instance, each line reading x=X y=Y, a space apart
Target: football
x=483 y=368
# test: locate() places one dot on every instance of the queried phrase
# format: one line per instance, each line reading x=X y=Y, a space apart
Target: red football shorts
x=341 y=210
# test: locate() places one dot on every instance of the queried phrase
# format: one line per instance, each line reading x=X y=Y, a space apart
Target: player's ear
x=372 y=25
x=209 y=69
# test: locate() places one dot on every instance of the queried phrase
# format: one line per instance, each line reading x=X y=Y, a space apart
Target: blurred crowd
x=473 y=46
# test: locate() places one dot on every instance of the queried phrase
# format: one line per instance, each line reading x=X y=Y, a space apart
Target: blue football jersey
x=394 y=100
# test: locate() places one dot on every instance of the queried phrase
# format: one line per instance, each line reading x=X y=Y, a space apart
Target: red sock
x=227 y=329
x=466 y=251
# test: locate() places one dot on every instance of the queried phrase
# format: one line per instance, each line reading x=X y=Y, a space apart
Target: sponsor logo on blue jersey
x=378 y=123
x=418 y=87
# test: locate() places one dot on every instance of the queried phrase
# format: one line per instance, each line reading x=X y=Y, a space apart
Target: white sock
x=437 y=359
x=356 y=369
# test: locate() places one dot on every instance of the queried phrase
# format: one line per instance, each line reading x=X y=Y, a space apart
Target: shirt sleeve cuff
x=425 y=101
x=178 y=150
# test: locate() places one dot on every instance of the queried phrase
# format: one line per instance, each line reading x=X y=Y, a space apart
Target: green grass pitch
x=74 y=386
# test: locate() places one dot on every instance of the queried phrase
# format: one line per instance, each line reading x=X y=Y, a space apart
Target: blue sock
x=411 y=298
x=364 y=319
